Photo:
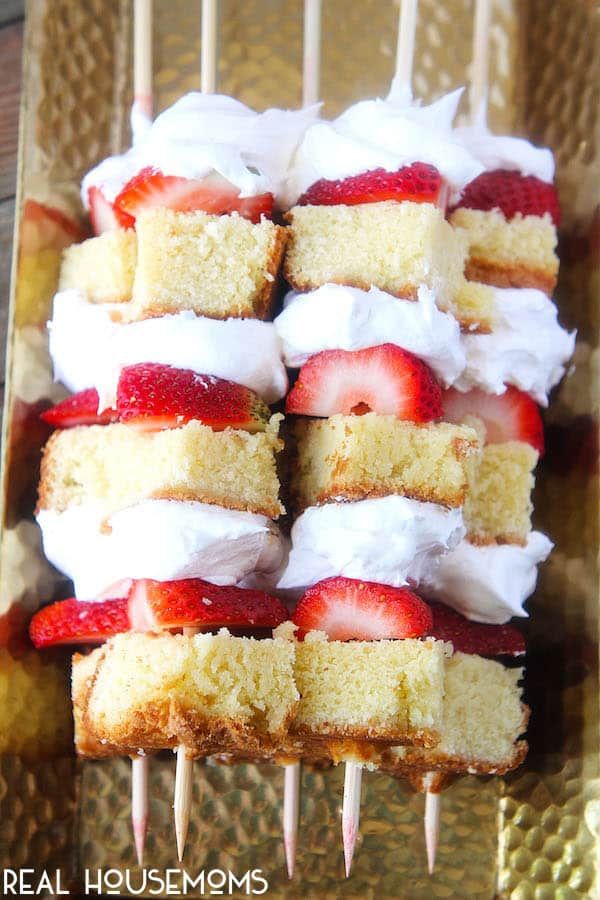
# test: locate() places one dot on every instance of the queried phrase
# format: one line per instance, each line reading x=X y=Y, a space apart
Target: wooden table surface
x=11 y=43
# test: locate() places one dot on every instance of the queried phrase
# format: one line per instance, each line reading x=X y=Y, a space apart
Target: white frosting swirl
x=491 y=583
x=527 y=348
x=89 y=349
x=386 y=134
x=160 y=539
x=346 y=318
x=502 y=152
x=204 y=133
x=393 y=540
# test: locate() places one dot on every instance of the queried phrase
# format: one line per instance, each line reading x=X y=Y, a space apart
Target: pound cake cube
x=114 y=466
x=482 y=721
x=370 y=690
x=210 y=692
x=355 y=457
x=498 y=506
x=216 y=266
x=102 y=267
x=520 y=252
x=395 y=246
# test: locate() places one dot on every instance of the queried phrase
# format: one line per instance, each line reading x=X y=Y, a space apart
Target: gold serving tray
x=530 y=835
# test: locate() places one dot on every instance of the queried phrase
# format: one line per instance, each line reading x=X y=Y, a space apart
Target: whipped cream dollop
x=495 y=151
x=393 y=540
x=160 y=539
x=488 y=583
x=527 y=348
x=384 y=133
x=205 y=133
x=347 y=318
x=89 y=349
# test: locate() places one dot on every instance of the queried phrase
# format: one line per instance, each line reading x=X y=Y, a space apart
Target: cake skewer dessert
x=300 y=403
x=510 y=214
x=311 y=86
x=134 y=199
x=143 y=107
x=182 y=800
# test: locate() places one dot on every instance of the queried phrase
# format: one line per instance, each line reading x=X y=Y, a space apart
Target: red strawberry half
x=152 y=396
x=473 y=637
x=347 y=609
x=384 y=379
x=418 y=182
x=104 y=215
x=214 y=194
x=512 y=193
x=511 y=416
x=78 y=409
x=45 y=227
x=77 y=622
x=192 y=603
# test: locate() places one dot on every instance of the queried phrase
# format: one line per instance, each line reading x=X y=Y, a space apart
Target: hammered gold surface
x=236 y=825
x=37 y=807
x=532 y=835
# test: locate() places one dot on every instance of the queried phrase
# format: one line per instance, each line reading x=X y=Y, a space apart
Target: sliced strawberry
x=347 y=609
x=213 y=194
x=78 y=409
x=78 y=622
x=104 y=215
x=473 y=637
x=418 y=182
x=511 y=416
x=153 y=396
x=192 y=603
x=512 y=193
x=384 y=379
x=45 y=227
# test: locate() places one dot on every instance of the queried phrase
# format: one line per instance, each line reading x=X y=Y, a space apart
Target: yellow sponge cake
x=355 y=457
x=515 y=253
x=217 y=266
x=498 y=505
x=482 y=721
x=209 y=692
x=370 y=690
x=115 y=466
x=394 y=246
x=102 y=267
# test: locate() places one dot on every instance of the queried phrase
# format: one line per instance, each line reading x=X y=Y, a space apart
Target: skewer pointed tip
x=140 y=827
x=139 y=804
x=183 y=798
x=432 y=828
x=351 y=812
x=291 y=807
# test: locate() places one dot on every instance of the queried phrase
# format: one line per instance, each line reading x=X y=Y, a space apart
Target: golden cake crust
x=517 y=276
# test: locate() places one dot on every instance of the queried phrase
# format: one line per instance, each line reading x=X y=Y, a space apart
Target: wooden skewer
x=139 y=803
x=311 y=68
x=405 y=50
x=291 y=811
x=208 y=48
x=432 y=827
x=478 y=92
x=142 y=55
x=142 y=97
x=184 y=771
x=351 y=811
